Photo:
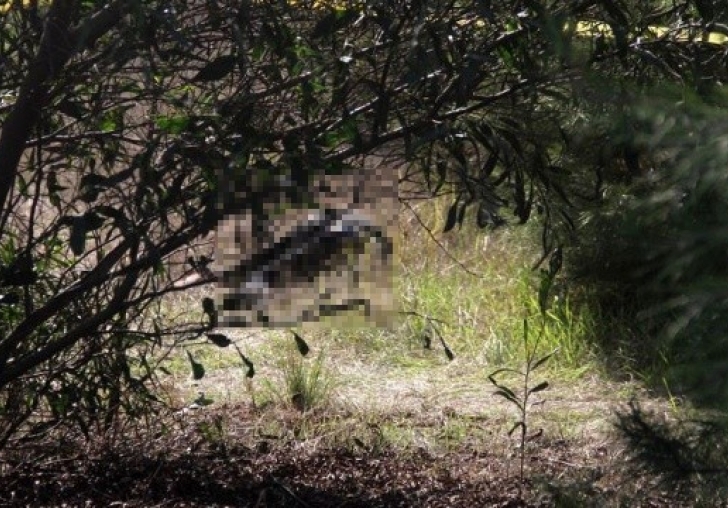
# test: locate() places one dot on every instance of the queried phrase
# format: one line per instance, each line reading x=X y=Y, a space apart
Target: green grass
x=483 y=308
x=307 y=383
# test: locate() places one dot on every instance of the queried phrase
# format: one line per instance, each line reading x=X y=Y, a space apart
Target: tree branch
x=58 y=44
x=19 y=367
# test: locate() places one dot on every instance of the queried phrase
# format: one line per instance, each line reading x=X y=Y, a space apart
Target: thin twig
x=439 y=244
x=423 y=316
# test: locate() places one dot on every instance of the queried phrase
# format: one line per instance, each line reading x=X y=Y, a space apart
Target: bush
x=657 y=253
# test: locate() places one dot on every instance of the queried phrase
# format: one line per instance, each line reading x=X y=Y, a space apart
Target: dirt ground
x=234 y=456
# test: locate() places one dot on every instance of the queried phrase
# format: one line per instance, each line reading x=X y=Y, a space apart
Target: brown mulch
x=182 y=470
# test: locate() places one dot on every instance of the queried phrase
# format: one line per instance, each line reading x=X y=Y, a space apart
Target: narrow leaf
x=78 y=235
x=251 y=369
x=544 y=359
x=492 y=375
x=216 y=69
x=441 y=174
x=452 y=217
x=508 y=395
x=516 y=426
x=219 y=339
x=198 y=371
x=539 y=387
x=490 y=164
x=543 y=292
x=301 y=344
x=448 y=352
x=487 y=215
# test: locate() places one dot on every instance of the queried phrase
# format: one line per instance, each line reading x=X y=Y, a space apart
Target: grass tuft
x=306 y=382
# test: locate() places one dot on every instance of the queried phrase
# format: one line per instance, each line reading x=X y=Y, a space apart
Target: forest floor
x=428 y=434
x=191 y=467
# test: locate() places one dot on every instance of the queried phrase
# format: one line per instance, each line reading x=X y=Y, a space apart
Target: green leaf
x=216 y=69
x=251 y=369
x=23 y=186
x=172 y=124
x=157 y=330
x=539 y=387
x=490 y=164
x=72 y=109
x=55 y=200
x=109 y=123
x=506 y=54
x=348 y=132
x=52 y=183
x=219 y=339
x=91 y=185
x=508 y=394
x=544 y=359
x=78 y=234
x=112 y=213
x=492 y=375
x=543 y=291
x=198 y=371
x=487 y=215
x=20 y=273
x=441 y=167
x=301 y=344
x=522 y=425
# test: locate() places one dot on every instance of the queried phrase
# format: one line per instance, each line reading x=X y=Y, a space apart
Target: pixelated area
x=331 y=263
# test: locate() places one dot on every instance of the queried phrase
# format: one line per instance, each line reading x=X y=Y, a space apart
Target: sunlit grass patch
x=483 y=287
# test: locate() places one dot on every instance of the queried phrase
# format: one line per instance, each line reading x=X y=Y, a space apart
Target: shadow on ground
x=181 y=468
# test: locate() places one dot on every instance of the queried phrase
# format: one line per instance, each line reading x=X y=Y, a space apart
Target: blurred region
x=331 y=257
x=655 y=250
